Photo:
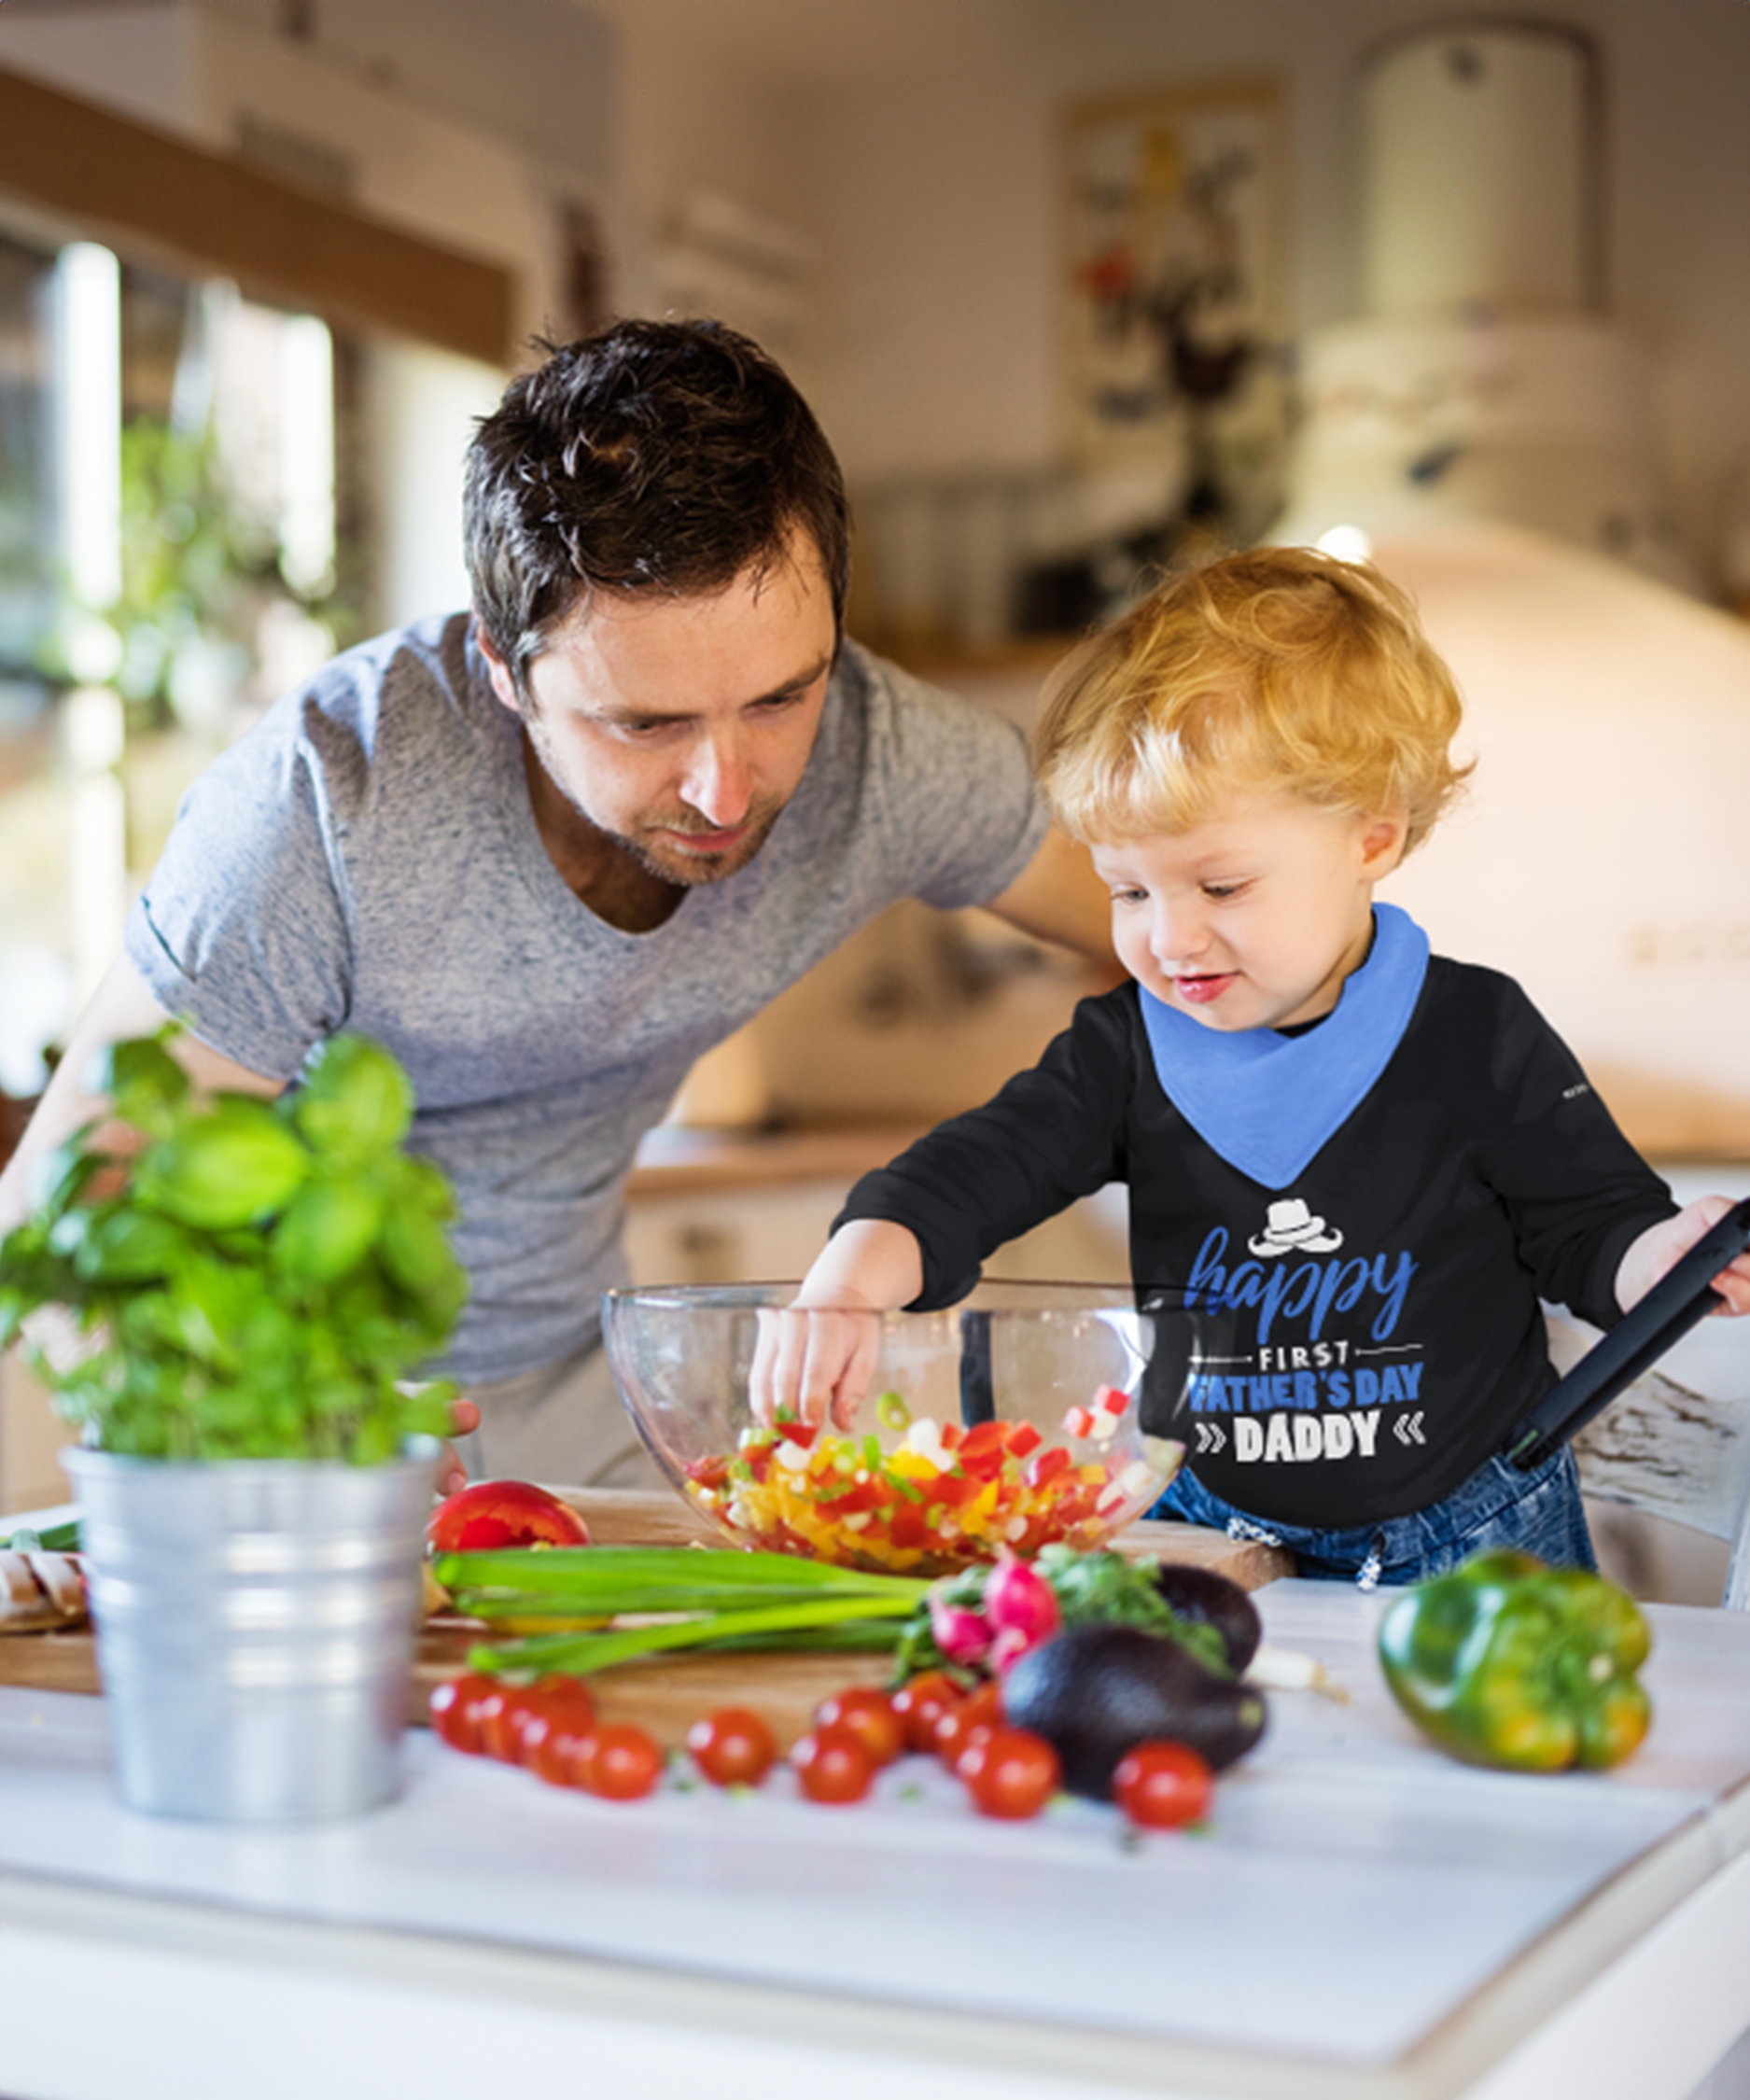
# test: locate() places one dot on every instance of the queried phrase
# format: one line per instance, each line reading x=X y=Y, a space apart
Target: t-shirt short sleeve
x=951 y=793
x=241 y=930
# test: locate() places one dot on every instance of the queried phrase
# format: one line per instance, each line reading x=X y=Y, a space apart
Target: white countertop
x=1363 y=1915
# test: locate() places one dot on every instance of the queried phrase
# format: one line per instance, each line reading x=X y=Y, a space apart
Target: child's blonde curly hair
x=1276 y=671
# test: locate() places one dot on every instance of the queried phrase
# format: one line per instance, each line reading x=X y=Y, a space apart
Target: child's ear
x=1382 y=843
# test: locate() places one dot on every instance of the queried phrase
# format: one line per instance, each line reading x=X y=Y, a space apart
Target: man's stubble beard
x=696 y=872
x=692 y=872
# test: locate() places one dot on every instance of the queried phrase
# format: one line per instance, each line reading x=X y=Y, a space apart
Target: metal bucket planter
x=256 y=1623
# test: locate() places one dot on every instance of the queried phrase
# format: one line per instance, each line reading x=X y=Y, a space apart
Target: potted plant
x=252 y=1282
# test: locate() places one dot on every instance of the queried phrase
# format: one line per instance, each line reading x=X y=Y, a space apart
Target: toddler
x=1370 y=1162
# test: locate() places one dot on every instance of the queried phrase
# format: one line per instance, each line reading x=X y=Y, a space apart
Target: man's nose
x=720 y=781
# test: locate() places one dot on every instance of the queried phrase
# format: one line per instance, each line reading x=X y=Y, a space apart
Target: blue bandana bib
x=1268 y=1103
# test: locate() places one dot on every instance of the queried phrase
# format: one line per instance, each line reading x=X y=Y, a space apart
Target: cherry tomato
x=1011 y=1773
x=832 y=1766
x=964 y=1744
x=1162 y=1785
x=562 y=1694
x=495 y=1513
x=869 y=1715
x=456 y=1711
x=549 y=1704
x=503 y=1715
x=920 y=1702
x=488 y=1709
x=559 y=1751
x=620 y=1763
x=733 y=1747
x=962 y=1723
x=956 y=1728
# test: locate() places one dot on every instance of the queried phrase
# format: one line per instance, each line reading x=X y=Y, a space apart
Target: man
x=551 y=852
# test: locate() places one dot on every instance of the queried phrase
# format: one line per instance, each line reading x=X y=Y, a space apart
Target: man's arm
x=1058 y=897
x=121 y=1007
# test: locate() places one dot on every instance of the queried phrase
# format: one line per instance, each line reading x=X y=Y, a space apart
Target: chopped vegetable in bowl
x=943 y=1496
x=1025 y=1414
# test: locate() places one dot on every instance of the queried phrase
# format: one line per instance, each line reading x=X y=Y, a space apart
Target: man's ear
x=1383 y=840
x=497 y=670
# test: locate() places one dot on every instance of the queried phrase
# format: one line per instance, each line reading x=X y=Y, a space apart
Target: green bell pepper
x=1507 y=1662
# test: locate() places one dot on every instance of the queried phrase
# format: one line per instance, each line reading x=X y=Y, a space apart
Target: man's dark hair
x=660 y=456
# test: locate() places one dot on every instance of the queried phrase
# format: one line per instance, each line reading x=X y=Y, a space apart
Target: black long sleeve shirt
x=1352 y=1348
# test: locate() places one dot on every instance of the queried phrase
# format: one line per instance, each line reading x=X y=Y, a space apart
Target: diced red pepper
x=908 y=1527
x=867 y=1495
x=1022 y=1439
x=983 y=1437
x=1046 y=1468
x=710 y=1471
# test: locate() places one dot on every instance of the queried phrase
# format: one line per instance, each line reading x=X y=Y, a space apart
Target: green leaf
x=328 y=1228
x=354 y=1101
x=58 y=1178
x=416 y=1253
x=234 y=1166
x=144 y=1082
x=124 y=1245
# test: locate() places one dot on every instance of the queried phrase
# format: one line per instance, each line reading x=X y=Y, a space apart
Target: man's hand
x=1058 y=897
x=122 y=1007
x=451 y=1474
x=1662 y=1246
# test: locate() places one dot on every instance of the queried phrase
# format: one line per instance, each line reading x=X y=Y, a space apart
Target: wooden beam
x=216 y=215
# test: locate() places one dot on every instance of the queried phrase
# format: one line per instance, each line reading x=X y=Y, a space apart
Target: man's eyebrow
x=800 y=682
x=615 y=711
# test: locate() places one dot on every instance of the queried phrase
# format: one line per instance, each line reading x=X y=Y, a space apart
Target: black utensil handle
x=1675 y=1305
x=978 y=1392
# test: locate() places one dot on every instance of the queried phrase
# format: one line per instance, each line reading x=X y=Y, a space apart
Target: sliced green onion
x=893 y=1413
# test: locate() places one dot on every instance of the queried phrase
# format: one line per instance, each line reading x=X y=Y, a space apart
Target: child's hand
x=813 y=1361
x=814 y=1358
x=1662 y=1246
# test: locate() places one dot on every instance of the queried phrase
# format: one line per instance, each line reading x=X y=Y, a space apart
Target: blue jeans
x=1540 y=1512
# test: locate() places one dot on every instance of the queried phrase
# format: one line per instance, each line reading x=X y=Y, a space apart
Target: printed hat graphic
x=1291 y=1229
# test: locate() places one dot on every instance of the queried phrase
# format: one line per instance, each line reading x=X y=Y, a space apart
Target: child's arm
x=814 y=1356
x=1661 y=1246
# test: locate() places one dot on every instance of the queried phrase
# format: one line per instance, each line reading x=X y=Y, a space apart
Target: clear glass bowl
x=1014 y=1418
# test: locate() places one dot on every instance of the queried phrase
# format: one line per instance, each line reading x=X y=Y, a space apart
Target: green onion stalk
x=681 y=1597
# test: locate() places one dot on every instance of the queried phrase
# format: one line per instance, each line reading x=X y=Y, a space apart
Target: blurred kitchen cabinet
x=771 y=1234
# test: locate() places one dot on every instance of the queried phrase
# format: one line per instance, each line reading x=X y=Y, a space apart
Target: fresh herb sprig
x=249 y=1279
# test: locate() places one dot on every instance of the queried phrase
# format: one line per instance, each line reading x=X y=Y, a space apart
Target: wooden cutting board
x=665 y=1695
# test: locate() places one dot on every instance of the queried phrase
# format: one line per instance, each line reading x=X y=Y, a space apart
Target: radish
x=1020 y=1603
x=962 y=1634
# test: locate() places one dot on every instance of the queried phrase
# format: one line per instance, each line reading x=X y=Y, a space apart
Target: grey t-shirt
x=366 y=858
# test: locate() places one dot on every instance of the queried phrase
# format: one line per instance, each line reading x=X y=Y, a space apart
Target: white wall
x=916 y=141
x=934 y=194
